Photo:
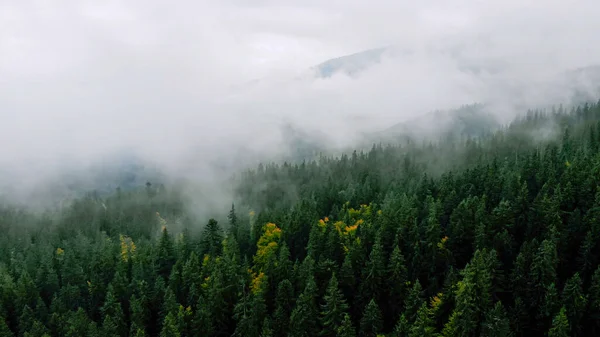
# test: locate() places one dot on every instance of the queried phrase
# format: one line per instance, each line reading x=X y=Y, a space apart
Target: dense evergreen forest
x=490 y=236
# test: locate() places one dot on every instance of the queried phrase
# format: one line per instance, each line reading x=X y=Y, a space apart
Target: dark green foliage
x=423 y=326
x=114 y=319
x=267 y=331
x=202 y=324
x=211 y=238
x=165 y=257
x=413 y=301
x=560 y=325
x=303 y=320
x=283 y=307
x=170 y=328
x=497 y=235
x=4 y=330
x=346 y=329
x=333 y=310
x=371 y=323
x=402 y=327
x=574 y=301
x=396 y=285
x=496 y=323
x=37 y=330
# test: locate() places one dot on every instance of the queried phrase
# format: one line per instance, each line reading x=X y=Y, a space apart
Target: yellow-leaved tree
x=267 y=245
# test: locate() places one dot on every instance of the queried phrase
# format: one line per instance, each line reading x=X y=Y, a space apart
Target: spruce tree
x=334 y=309
x=165 y=257
x=169 y=327
x=266 y=331
x=284 y=304
x=396 y=283
x=560 y=325
x=496 y=323
x=424 y=325
x=413 y=302
x=112 y=312
x=4 y=330
x=212 y=237
x=202 y=324
x=346 y=329
x=303 y=321
x=371 y=322
x=402 y=327
x=575 y=301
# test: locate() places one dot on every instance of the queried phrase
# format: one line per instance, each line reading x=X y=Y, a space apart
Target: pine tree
x=110 y=327
x=233 y=222
x=4 y=330
x=251 y=310
x=303 y=318
x=202 y=321
x=373 y=274
x=212 y=237
x=334 y=309
x=284 y=304
x=574 y=301
x=216 y=302
x=249 y=320
x=413 y=302
x=347 y=278
x=139 y=315
x=78 y=324
x=396 y=283
x=266 y=329
x=346 y=329
x=284 y=265
x=169 y=304
x=401 y=328
x=113 y=313
x=594 y=301
x=550 y=305
x=496 y=323
x=193 y=278
x=371 y=323
x=169 y=328
x=543 y=268
x=560 y=325
x=138 y=333
x=424 y=325
x=38 y=329
x=165 y=257
x=473 y=295
x=26 y=291
x=26 y=320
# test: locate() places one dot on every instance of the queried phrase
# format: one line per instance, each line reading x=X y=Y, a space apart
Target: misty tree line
x=495 y=236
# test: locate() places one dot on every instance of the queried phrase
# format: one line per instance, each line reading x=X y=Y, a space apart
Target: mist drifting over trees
x=299 y=168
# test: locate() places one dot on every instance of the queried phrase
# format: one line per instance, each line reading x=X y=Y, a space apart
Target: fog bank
x=199 y=89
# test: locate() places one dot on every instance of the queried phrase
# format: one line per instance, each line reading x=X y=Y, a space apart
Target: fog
x=186 y=85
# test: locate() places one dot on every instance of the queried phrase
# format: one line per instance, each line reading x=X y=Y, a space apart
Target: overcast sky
x=82 y=78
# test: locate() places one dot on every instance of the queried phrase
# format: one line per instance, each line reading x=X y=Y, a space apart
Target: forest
x=497 y=235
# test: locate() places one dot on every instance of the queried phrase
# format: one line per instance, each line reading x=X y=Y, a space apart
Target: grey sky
x=82 y=78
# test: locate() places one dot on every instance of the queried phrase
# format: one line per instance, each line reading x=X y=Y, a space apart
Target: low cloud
x=174 y=85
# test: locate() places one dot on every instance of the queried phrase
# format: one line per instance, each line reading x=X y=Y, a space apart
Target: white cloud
x=80 y=79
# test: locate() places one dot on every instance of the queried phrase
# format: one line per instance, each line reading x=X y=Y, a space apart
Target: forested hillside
x=490 y=236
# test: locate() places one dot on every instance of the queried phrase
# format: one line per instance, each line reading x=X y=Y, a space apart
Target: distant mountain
x=469 y=120
x=587 y=77
x=350 y=64
x=569 y=87
x=354 y=64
